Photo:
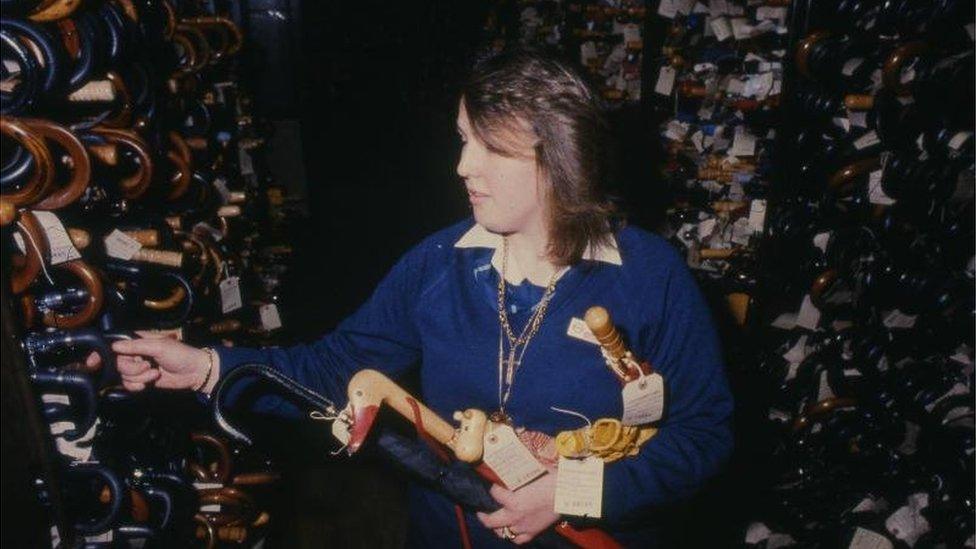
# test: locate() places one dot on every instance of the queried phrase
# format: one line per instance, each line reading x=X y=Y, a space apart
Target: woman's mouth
x=476 y=198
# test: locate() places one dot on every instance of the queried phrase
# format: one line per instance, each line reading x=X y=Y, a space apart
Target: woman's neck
x=530 y=249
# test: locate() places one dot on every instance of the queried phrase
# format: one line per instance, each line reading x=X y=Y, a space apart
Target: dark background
x=363 y=100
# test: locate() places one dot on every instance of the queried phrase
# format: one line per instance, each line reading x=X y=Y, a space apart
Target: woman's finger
x=145 y=346
x=499 y=519
x=134 y=387
x=93 y=359
x=131 y=366
x=145 y=378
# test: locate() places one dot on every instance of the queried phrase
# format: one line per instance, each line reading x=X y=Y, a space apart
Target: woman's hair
x=513 y=89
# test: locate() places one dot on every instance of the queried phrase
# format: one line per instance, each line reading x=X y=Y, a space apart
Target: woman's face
x=505 y=191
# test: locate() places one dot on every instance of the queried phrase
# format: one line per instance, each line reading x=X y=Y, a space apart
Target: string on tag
x=330 y=415
x=572 y=413
x=37 y=249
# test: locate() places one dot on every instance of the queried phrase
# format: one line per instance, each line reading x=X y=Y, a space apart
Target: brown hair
x=512 y=89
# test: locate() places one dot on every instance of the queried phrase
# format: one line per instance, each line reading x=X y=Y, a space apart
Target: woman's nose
x=464 y=163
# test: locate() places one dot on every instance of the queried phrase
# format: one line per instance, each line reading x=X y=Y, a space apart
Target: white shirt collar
x=480 y=237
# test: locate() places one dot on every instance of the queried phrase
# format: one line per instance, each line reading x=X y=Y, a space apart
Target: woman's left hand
x=526 y=512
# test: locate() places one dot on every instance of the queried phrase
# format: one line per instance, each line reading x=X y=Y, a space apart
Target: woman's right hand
x=178 y=366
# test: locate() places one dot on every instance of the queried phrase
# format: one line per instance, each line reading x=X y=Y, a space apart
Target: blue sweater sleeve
x=381 y=335
x=694 y=438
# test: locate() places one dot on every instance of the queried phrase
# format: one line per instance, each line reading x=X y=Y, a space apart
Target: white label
x=958 y=139
x=759 y=86
x=509 y=458
x=768 y=12
x=785 y=321
x=706 y=112
x=869 y=139
x=270 y=319
x=632 y=33
x=757 y=215
x=744 y=143
x=820 y=241
x=221 y=185
x=53 y=398
x=842 y=123
x=798 y=351
x=866 y=539
x=210 y=508
x=718 y=7
x=706 y=227
x=851 y=65
x=735 y=86
x=741 y=28
x=200 y=485
x=809 y=315
x=59 y=243
x=230 y=294
x=683 y=6
x=579 y=487
x=104 y=537
x=757 y=531
x=721 y=28
x=907 y=523
x=697 y=139
x=858 y=119
x=665 y=80
x=667 y=8
x=121 y=245
x=824 y=391
x=898 y=319
x=579 y=330
x=876 y=194
x=676 y=130
x=643 y=400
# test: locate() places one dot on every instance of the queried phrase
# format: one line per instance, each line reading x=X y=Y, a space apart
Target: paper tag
x=80 y=449
x=697 y=139
x=876 y=194
x=667 y=8
x=340 y=430
x=211 y=508
x=201 y=485
x=676 y=130
x=824 y=391
x=851 y=65
x=769 y=12
x=721 y=28
x=866 y=539
x=907 y=523
x=821 y=239
x=869 y=139
x=798 y=351
x=971 y=30
x=509 y=458
x=809 y=315
x=757 y=531
x=741 y=28
x=121 y=245
x=104 y=537
x=643 y=400
x=230 y=294
x=579 y=487
x=898 y=319
x=579 y=330
x=59 y=243
x=757 y=215
x=220 y=184
x=858 y=119
x=54 y=398
x=744 y=143
x=958 y=139
x=270 y=319
x=759 y=86
x=665 y=80
x=957 y=389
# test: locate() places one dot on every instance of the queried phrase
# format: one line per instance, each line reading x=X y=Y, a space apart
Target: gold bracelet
x=210 y=357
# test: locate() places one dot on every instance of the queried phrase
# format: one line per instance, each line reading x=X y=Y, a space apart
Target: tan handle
x=80 y=238
x=94 y=91
x=159 y=257
x=598 y=320
x=146 y=237
x=818 y=409
x=372 y=387
x=78 y=164
x=175 y=297
x=859 y=102
x=229 y=210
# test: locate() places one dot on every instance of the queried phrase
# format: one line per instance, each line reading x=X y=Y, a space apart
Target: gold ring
x=508 y=533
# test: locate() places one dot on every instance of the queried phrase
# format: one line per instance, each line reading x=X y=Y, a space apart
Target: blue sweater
x=437 y=309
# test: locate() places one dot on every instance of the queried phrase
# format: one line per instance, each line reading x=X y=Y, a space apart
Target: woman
x=533 y=161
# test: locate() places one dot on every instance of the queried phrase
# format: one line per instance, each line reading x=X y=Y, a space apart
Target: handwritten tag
x=720 y=26
x=643 y=400
x=579 y=487
x=579 y=330
x=121 y=245
x=757 y=215
x=907 y=523
x=59 y=243
x=270 y=319
x=244 y=159
x=230 y=294
x=509 y=458
x=869 y=139
x=876 y=194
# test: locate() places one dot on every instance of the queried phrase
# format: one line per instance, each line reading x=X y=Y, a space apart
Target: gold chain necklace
x=507 y=367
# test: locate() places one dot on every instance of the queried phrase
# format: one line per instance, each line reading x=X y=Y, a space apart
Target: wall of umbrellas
x=821 y=159
x=135 y=202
